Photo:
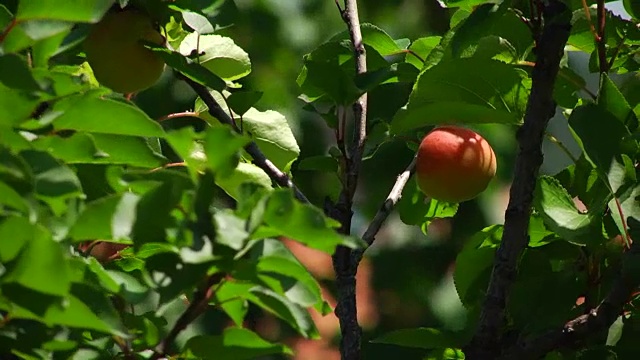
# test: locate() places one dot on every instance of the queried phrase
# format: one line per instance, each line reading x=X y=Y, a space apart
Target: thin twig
x=8 y=29
x=616 y=51
x=344 y=262
x=540 y=108
x=385 y=210
x=389 y=203
x=562 y=146
x=595 y=321
x=179 y=115
x=587 y=14
x=169 y=165
x=600 y=39
x=259 y=159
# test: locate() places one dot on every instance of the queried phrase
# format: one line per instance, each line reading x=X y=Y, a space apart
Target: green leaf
x=472 y=272
x=190 y=69
x=625 y=205
x=374 y=37
x=128 y=150
x=15 y=106
x=241 y=101
x=77 y=148
x=230 y=229
x=560 y=213
x=540 y=296
x=464 y=4
x=324 y=77
x=233 y=344
x=582 y=36
x=16 y=74
x=567 y=87
x=611 y=99
x=538 y=233
x=72 y=11
x=422 y=47
x=41 y=265
x=477 y=25
x=68 y=311
x=633 y=8
x=187 y=145
x=492 y=25
x=104 y=278
x=446 y=354
x=423 y=338
x=244 y=173
x=627 y=345
x=269 y=129
x=16 y=232
x=222 y=146
x=400 y=72
x=236 y=309
x=132 y=290
x=288 y=276
x=153 y=213
x=44 y=49
x=465 y=91
x=12 y=199
x=106 y=218
x=385 y=101
x=218 y=54
x=600 y=134
x=286 y=216
x=85 y=148
x=101 y=305
x=415 y=209
x=55 y=183
x=77 y=314
x=272 y=133
x=91 y=114
x=234 y=294
x=295 y=315
x=199 y=23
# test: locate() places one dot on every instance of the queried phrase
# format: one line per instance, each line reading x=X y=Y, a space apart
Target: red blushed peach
x=103 y=251
x=454 y=164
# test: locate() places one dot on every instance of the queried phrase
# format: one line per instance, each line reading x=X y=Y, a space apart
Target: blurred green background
x=408 y=281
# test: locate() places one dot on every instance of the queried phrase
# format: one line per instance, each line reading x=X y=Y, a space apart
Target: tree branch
x=259 y=159
x=389 y=203
x=540 y=108
x=600 y=39
x=196 y=307
x=597 y=320
x=385 y=210
x=344 y=262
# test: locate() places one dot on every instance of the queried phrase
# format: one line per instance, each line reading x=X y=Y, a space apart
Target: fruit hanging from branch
x=115 y=51
x=454 y=164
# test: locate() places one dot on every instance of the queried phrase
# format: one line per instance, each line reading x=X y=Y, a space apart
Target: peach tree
x=120 y=232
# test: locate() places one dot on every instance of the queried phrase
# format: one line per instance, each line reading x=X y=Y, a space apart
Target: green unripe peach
x=116 y=54
x=454 y=164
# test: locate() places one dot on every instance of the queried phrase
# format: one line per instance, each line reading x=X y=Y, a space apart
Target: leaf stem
x=179 y=115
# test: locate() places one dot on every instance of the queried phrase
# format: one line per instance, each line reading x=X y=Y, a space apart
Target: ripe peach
x=454 y=164
x=103 y=251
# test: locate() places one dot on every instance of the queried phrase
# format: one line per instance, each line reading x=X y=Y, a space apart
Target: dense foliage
x=167 y=224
